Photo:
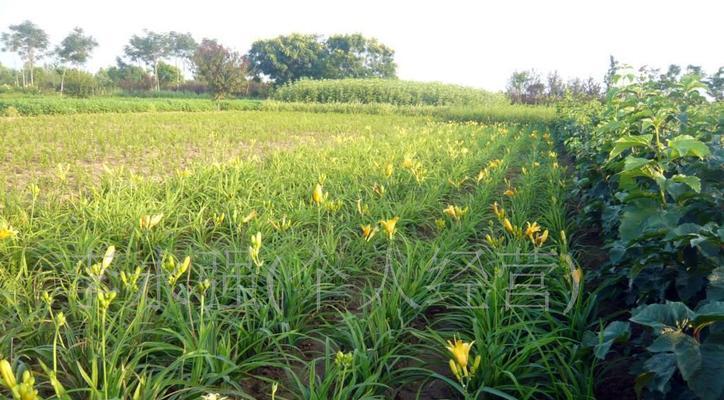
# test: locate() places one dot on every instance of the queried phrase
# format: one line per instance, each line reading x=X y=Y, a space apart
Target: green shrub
x=649 y=165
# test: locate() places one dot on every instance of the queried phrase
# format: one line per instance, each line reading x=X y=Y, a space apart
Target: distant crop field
x=78 y=149
x=387 y=91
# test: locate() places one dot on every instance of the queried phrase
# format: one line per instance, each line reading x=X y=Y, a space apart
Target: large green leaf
x=707 y=381
x=709 y=312
x=686 y=145
x=692 y=181
x=634 y=163
x=627 y=142
x=643 y=217
x=616 y=331
x=660 y=316
x=662 y=366
x=699 y=364
x=715 y=291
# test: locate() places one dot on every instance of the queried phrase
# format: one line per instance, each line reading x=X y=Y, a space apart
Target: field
x=307 y=235
x=292 y=250
x=385 y=91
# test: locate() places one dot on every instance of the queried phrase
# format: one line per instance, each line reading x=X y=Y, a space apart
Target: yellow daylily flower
x=389 y=170
x=456 y=212
x=174 y=270
x=455 y=370
x=541 y=239
x=6 y=372
x=318 y=195
x=508 y=226
x=460 y=351
x=218 y=218
x=577 y=275
x=510 y=192
x=368 y=231
x=8 y=233
x=531 y=229
x=252 y=214
x=255 y=249
x=499 y=211
x=147 y=222
x=390 y=226
x=493 y=164
x=482 y=175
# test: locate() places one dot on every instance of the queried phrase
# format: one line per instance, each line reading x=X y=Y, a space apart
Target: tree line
x=156 y=61
x=529 y=87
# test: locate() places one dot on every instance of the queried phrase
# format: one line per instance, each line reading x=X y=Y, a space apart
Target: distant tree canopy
x=222 y=69
x=354 y=56
x=527 y=87
x=152 y=48
x=28 y=41
x=288 y=58
x=127 y=76
x=74 y=50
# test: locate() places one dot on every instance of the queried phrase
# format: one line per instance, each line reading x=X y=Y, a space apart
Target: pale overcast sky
x=475 y=43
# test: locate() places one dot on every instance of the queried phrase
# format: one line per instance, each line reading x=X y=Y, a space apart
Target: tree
x=28 y=41
x=591 y=89
x=128 y=76
x=715 y=85
x=556 y=88
x=182 y=48
x=222 y=69
x=517 y=84
x=613 y=67
x=167 y=74
x=75 y=50
x=354 y=56
x=287 y=58
x=149 y=49
x=525 y=87
x=535 y=89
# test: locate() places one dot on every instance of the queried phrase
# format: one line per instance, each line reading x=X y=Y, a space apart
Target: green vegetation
x=649 y=166
x=384 y=91
x=323 y=258
x=286 y=59
x=44 y=105
x=14 y=106
x=360 y=238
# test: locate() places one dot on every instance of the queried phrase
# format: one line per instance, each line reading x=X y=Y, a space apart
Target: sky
x=473 y=43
